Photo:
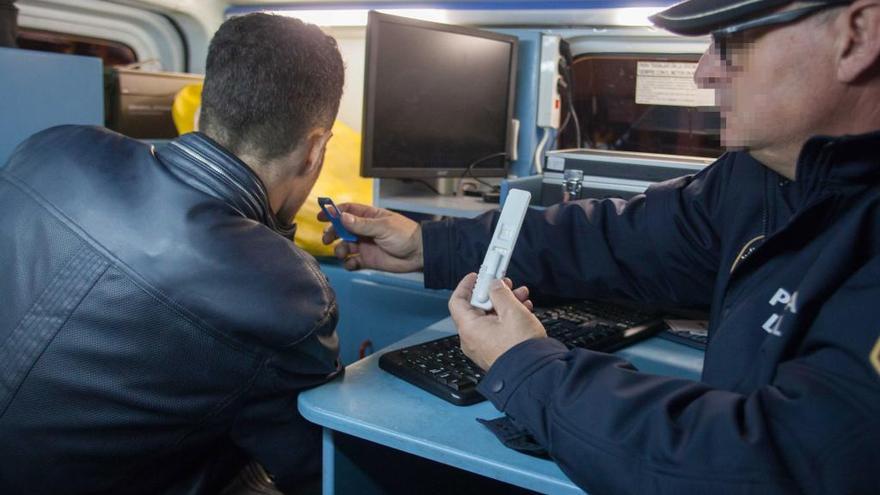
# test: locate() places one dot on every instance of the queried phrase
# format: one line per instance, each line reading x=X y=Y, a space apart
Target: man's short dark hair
x=269 y=79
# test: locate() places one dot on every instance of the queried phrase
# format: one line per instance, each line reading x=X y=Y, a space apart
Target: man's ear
x=317 y=143
x=858 y=28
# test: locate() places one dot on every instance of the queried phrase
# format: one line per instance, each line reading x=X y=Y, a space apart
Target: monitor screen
x=437 y=98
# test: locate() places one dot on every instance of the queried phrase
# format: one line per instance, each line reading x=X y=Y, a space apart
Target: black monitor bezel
x=368 y=169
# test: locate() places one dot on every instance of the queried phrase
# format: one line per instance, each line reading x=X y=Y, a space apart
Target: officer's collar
x=852 y=160
x=224 y=176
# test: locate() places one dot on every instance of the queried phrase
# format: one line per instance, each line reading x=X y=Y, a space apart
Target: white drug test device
x=501 y=248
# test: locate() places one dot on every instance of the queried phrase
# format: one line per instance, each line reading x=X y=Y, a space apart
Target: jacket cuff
x=438 y=244
x=515 y=366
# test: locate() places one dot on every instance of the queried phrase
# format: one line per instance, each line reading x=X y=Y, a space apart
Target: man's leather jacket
x=155 y=326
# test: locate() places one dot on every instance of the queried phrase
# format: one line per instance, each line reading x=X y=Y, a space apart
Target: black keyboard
x=440 y=367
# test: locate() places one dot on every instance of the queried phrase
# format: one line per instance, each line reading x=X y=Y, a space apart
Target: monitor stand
x=412 y=195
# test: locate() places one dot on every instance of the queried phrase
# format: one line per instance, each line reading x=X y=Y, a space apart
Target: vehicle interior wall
x=173 y=35
x=169 y=35
x=623 y=31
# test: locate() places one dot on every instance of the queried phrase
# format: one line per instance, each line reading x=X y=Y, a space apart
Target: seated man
x=781 y=240
x=157 y=321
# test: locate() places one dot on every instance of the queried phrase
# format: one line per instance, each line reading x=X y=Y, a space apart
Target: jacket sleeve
x=814 y=429
x=269 y=427
x=590 y=248
x=297 y=315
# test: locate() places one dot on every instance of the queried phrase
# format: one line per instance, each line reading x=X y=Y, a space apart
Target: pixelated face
x=734 y=67
x=768 y=82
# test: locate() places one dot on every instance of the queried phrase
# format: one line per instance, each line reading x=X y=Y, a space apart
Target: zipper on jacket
x=255 y=204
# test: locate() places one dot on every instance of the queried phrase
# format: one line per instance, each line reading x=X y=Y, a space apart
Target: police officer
x=780 y=238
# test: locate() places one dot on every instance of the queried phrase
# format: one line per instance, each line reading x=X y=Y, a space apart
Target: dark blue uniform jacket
x=789 y=399
x=155 y=328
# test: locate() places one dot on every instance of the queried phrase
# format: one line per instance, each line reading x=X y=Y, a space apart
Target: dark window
x=604 y=96
x=111 y=52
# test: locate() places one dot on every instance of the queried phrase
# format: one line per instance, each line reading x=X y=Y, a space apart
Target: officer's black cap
x=698 y=17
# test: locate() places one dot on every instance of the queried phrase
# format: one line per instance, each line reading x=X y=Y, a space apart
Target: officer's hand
x=486 y=336
x=387 y=241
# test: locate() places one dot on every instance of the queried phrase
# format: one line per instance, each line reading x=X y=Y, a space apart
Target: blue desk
x=372 y=405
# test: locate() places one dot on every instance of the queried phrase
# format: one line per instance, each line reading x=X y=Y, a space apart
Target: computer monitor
x=437 y=98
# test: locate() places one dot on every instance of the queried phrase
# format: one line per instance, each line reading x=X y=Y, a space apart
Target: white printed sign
x=670 y=83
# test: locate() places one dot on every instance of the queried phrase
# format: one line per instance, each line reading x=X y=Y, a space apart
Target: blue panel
x=527 y=75
x=40 y=90
x=381 y=307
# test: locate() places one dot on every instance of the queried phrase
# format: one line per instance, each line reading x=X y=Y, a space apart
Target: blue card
x=332 y=212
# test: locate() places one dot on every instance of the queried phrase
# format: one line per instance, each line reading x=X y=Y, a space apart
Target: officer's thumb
x=502 y=297
x=369 y=227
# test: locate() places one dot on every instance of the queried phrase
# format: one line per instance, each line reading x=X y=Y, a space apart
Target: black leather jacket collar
x=206 y=165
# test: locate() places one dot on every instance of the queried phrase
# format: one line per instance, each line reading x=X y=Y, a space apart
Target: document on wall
x=670 y=83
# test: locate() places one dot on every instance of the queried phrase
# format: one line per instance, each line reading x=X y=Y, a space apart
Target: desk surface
x=371 y=404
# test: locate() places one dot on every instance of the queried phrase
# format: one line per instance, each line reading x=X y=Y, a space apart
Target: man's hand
x=486 y=336
x=387 y=241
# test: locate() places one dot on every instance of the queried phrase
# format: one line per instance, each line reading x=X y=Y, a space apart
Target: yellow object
x=185 y=108
x=340 y=179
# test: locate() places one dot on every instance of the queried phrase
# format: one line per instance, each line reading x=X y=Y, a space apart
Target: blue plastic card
x=333 y=214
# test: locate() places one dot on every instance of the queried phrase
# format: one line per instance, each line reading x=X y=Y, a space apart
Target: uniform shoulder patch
x=875 y=356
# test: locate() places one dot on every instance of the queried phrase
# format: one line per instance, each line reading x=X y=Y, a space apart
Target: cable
x=577 y=122
x=565 y=95
x=572 y=113
x=568 y=79
x=467 y=170
x=420 y=181
x=563 y=127
x=539 y=150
